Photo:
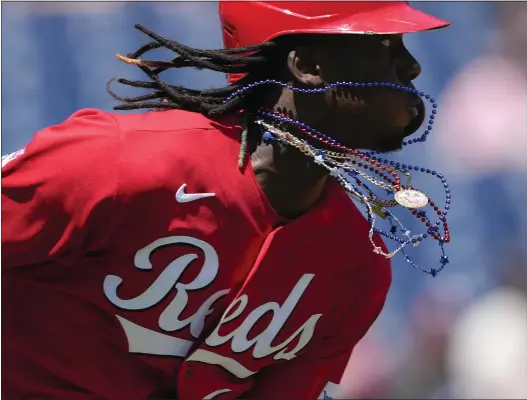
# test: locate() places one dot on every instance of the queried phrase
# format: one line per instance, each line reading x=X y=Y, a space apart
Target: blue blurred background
x=460 y=335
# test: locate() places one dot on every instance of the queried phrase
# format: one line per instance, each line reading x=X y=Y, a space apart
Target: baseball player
x=209 y=248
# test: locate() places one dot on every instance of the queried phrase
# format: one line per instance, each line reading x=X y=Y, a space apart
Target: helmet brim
x=399 y=18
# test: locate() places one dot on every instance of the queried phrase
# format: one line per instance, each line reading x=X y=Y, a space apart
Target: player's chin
x=390 y=144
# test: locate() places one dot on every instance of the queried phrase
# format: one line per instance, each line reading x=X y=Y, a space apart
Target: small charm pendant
x=378 y=210
x=411 y=198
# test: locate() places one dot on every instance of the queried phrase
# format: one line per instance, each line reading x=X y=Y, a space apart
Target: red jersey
x=139 y=259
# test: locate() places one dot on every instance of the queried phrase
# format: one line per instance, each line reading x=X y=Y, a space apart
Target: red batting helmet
x=253 y=22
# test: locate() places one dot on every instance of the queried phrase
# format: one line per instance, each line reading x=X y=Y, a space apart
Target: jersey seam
x=164 y=130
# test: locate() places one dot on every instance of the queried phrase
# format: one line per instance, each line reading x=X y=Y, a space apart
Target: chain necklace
x=355 y=171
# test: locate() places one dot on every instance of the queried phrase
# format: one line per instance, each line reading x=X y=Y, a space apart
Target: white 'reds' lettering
x=216 y=393
x=168 y=279
x=147 y=341
x=262 y=342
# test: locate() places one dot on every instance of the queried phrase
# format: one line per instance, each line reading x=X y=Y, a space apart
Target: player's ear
x=304 y=66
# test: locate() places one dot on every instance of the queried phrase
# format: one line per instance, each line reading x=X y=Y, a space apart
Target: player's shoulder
x=159 y=135
x=160 y=149
x=151 y=136
x=148 y=149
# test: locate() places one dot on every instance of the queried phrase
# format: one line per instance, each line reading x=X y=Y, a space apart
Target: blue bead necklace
x=348 y=165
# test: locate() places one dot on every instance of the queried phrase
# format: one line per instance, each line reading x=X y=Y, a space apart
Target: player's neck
x=291 y=181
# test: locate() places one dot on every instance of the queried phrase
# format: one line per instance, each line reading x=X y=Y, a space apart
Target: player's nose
x=408 y=67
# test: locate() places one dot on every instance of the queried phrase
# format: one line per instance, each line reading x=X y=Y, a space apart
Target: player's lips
x=417 y=114
x=413 y=111
x=415 y=102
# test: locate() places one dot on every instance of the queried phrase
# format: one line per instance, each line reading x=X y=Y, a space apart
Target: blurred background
x=462 y=334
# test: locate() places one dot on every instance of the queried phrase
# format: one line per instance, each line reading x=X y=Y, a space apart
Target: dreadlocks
x=251 y=60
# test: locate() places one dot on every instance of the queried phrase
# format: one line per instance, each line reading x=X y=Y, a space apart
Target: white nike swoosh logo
x=183 y=197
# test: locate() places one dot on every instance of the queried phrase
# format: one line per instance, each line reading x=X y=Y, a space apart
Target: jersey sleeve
x=58 y=192
x=269 y=344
